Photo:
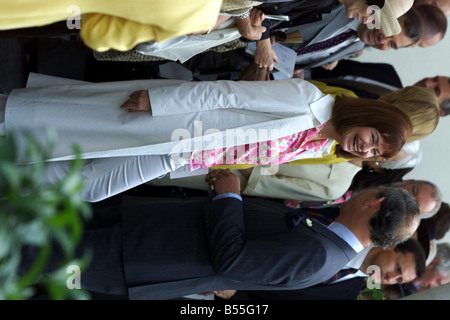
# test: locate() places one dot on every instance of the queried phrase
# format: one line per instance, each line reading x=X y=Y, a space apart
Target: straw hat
x=389 y=14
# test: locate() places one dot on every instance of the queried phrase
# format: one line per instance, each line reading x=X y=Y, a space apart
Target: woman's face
x=362 y=142
x=357 y=9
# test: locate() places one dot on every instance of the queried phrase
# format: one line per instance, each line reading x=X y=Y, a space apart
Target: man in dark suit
x=400 y=264
x=168 y=248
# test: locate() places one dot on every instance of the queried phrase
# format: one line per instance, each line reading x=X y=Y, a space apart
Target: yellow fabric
x=329 y=159
x=333 y=91
x=115 y=24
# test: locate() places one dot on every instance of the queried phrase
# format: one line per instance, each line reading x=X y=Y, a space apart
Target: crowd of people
x=293 y=188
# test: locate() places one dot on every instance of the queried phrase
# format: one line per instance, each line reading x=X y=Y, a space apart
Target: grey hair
x=443 y=256
x=398 y=210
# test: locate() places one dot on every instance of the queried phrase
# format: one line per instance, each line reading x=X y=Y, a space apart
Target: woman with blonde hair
x=422 y=107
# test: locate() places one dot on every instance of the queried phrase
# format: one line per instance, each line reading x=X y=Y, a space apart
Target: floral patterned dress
x=276 y=151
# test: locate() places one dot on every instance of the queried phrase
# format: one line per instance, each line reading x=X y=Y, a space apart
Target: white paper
x=279 y=76
x=277 y=17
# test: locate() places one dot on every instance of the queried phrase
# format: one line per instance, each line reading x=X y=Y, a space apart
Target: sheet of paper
x=286 y=57
x=279 y=76
x=185 y=171
x=172 y=70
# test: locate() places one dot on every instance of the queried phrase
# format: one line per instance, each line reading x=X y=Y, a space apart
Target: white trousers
x=106 y=177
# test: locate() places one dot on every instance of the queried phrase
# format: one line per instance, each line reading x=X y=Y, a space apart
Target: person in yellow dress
x=114 y=24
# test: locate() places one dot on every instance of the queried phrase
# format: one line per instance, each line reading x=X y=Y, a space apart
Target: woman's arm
x=250 y=27
x=278 y=97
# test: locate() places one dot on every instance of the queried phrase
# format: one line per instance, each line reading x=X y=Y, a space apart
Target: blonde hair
x=422 y=107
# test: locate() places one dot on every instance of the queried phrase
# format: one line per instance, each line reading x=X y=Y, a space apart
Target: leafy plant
x=42 y=215
x=371 y=294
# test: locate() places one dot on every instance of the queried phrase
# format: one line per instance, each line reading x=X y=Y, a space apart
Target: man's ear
x=433 y=263
x=374 y=202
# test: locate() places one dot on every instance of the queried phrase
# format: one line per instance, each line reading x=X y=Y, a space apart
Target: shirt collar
x=321 y=109
x=358 y=260
x=348 y=236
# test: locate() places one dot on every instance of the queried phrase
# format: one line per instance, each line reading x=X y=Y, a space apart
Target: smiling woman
x=199 y=124
x=361 y=141
x=364 y=128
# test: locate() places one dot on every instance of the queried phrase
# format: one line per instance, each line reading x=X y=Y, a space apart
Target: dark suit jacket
x=299 y=12
x=175 y=247
x=343 y=290
x=381 y=72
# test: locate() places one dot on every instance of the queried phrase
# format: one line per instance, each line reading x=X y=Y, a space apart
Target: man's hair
x=437 y=195
x=443 y=257
x=349 y=112
x=412 y=25
x=414 y=247
x=442 y=220
x=398 y=210
x=434 y=20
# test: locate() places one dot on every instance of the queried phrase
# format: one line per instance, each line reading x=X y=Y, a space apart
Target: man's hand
x=250 y=27
x=224 y=181
x=265 y=56
x=138 y=101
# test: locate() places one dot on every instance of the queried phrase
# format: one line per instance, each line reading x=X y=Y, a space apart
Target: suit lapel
x=331 y=22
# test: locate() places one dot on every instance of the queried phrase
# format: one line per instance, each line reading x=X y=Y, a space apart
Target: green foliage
x=35 y=213
x=371 y=294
